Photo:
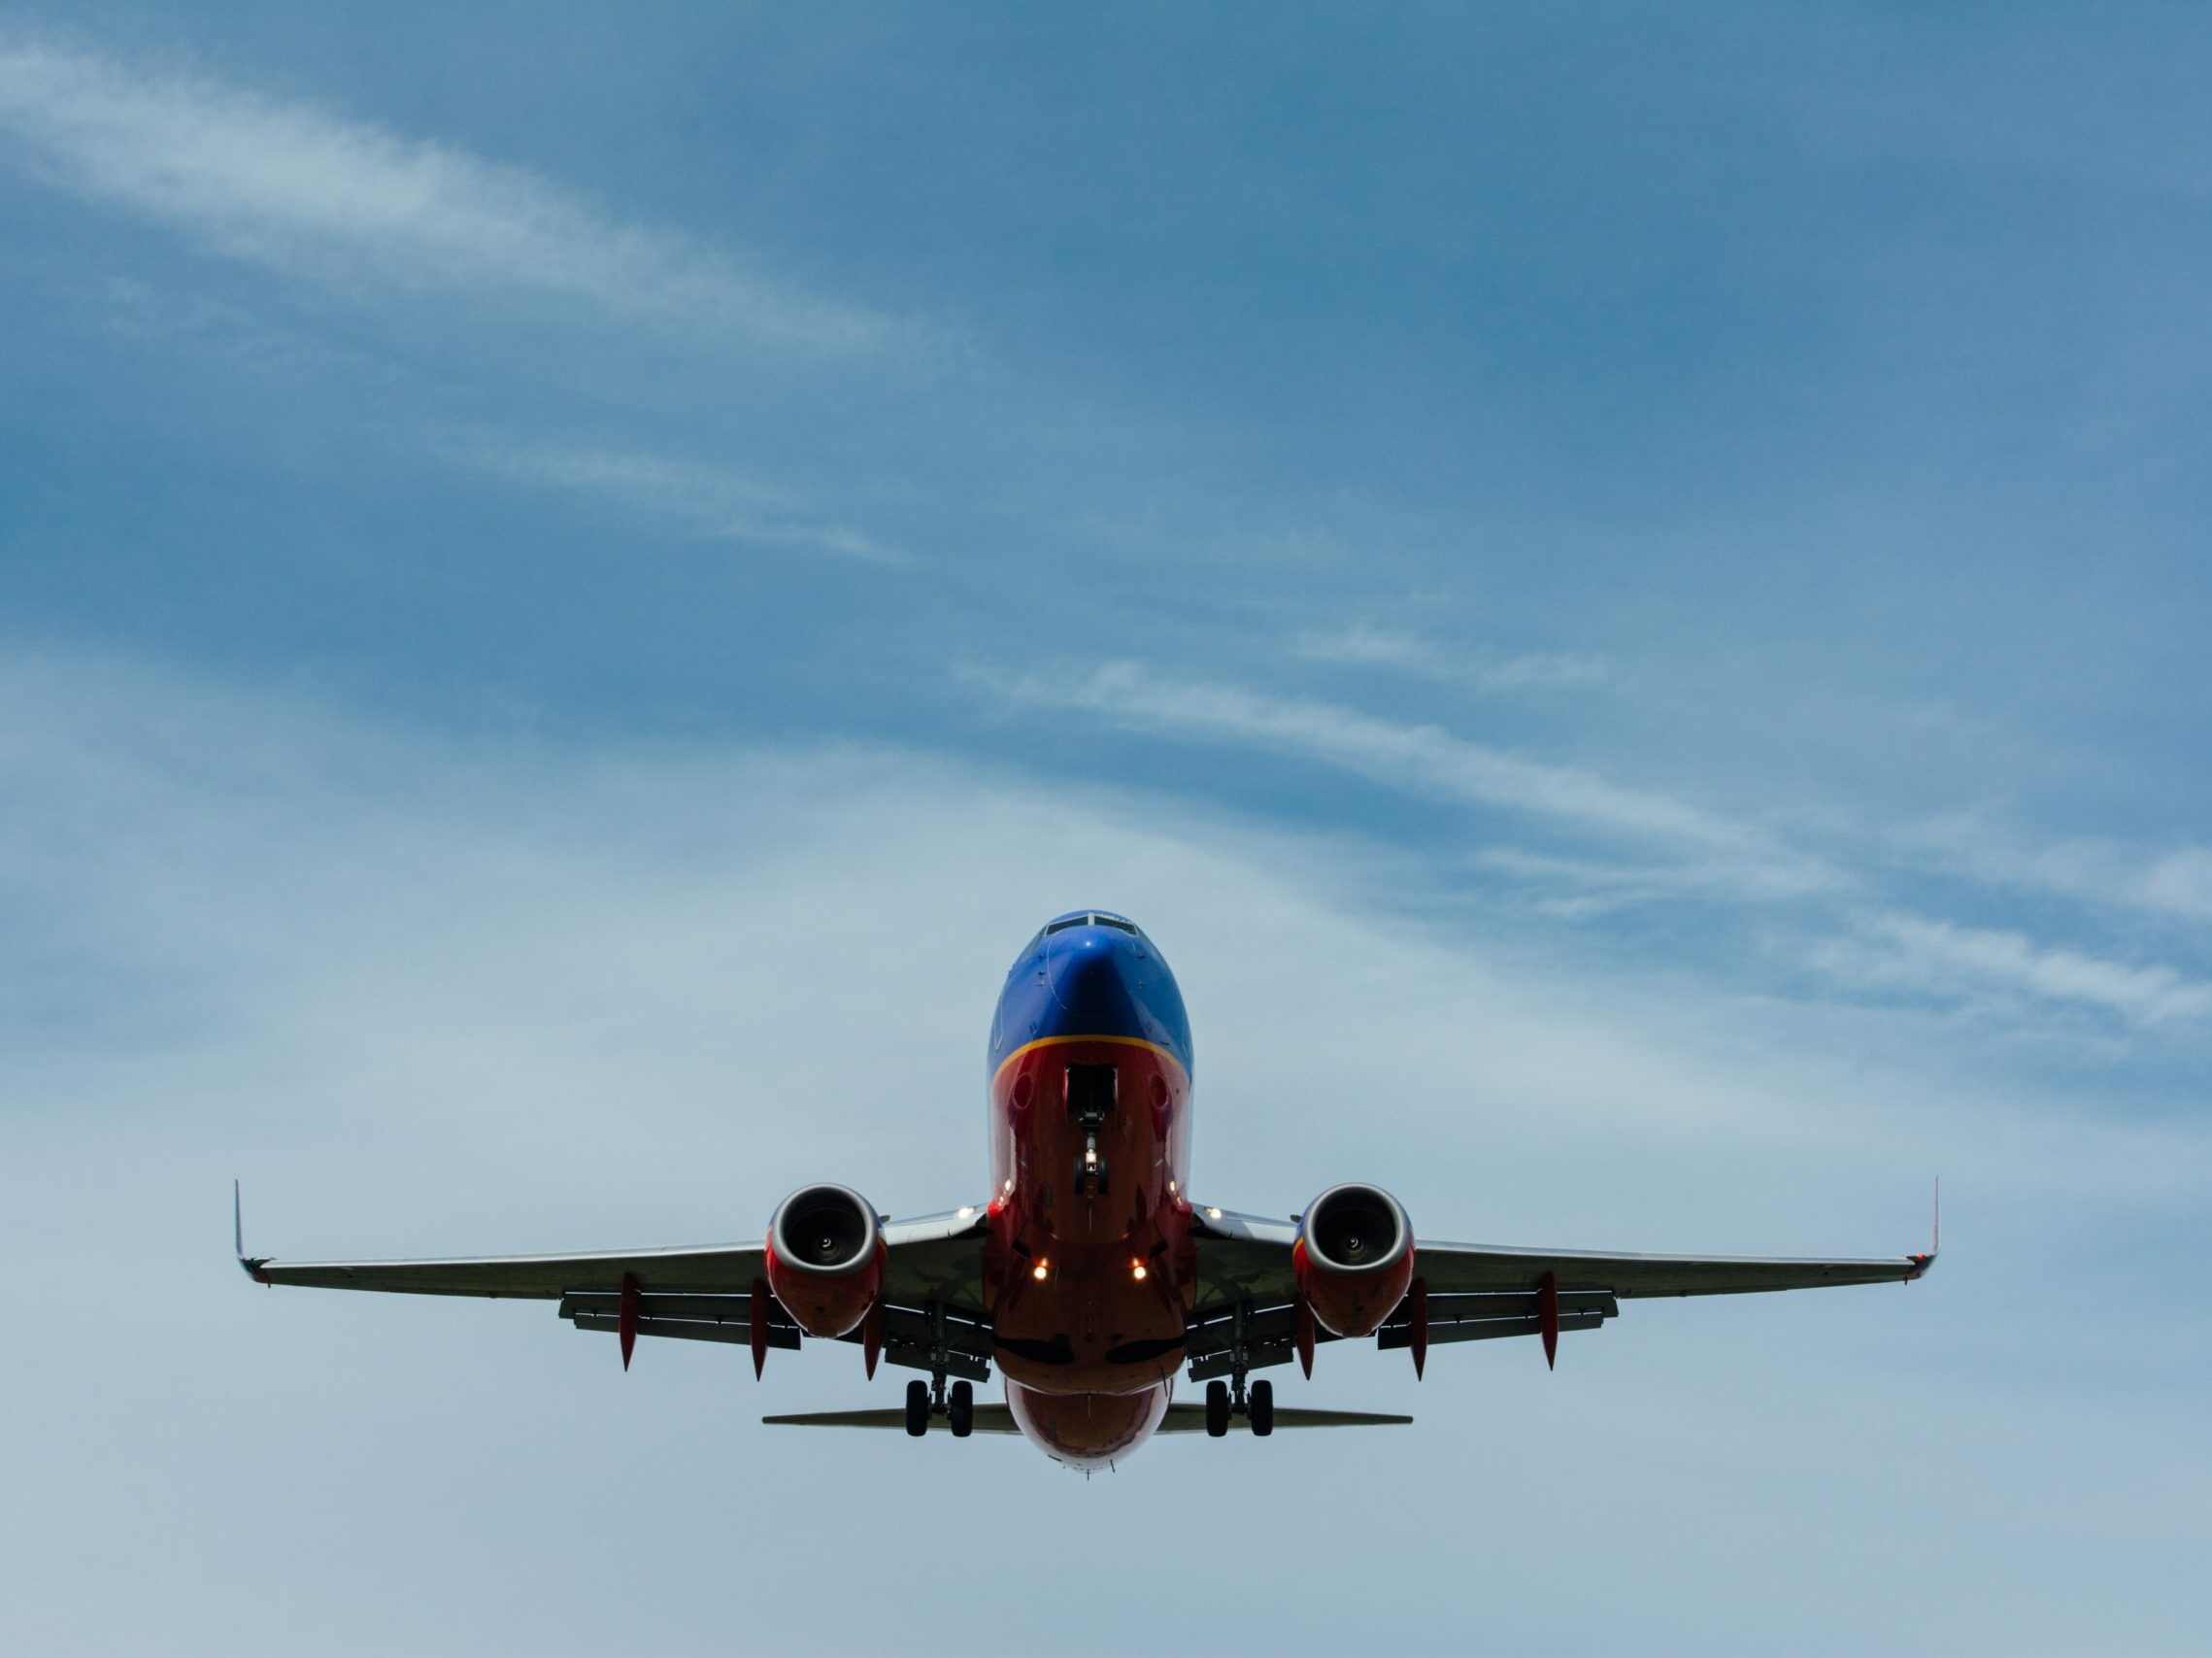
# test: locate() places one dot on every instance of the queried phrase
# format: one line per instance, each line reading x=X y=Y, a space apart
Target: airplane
x=1089 y=1276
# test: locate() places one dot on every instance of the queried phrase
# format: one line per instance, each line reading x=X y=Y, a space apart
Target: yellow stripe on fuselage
x=1059 y=1041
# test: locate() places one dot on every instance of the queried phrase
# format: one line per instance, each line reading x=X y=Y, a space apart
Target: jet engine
x=1353 y=1258
x=825 y=1258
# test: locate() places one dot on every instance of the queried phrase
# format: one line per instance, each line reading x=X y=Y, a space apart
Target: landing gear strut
x=1223 y=1399
x=932 y=1398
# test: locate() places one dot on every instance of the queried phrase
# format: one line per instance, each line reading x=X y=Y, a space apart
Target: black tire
x=918 y=1409
x=960 y=1410
x=1261 y=1408
x=1216 y=1410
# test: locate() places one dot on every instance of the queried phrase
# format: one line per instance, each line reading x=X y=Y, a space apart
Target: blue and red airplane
x=1089 y=1277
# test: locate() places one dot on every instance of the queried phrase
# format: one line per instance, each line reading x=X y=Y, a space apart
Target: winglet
x=1922 y=1262
x=252 y=1264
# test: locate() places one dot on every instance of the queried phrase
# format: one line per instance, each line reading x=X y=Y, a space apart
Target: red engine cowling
x=825 y=1258
x=1353 y=1258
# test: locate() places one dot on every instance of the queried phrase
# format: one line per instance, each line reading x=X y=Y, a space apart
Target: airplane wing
x=932 y=1288
x=1474 y=1292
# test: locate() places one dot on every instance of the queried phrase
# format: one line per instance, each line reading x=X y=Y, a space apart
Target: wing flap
x=1482 y=1330
x=690 y=1330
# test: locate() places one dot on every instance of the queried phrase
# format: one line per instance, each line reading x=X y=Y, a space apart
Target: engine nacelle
x=1353 y=1258
x=825 y=1258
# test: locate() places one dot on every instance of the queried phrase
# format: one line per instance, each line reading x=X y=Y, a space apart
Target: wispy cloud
x=2180 y=882
x=2174 y=883
x=1914 y=952
x=1426 y=760
x=295 y=187
x=1581 y=888
x=1363 y=644
x=699 y=501
x=1675 y=850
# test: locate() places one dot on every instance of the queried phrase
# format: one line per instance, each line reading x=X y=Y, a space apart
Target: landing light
x=1138 y=1270
x=1041 y=1271
x=1213 y=1214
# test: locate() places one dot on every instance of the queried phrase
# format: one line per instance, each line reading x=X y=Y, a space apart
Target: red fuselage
x=1089 y=1259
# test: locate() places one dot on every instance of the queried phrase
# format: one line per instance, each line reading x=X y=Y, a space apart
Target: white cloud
x=295 y=187
x=1363 y=644
x=2174 y=883
x=1920 y=953
x=1425 y=760
x=2179 y=883
x=1688 y=852
x=706 y=502
x=1581 y=888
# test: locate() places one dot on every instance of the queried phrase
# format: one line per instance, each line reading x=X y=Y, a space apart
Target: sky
x=1621 y=589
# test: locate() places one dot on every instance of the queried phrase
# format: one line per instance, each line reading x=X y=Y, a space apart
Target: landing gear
x=1260 y=1408
x=932 y=1398
x=1254 y=1403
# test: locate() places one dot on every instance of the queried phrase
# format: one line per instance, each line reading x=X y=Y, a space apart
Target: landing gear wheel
x=1261 y=1408
x=918 y=1409
x=961 y=1410
x=1216 y=1410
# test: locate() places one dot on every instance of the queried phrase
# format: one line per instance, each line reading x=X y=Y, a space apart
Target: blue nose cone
x=1093 y=972
x=1090 y=974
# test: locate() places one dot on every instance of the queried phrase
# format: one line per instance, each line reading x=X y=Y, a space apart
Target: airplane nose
x=1089 y=974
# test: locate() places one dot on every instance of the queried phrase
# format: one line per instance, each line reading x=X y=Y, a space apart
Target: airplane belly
x=1088 y=1429
x=1081 y=1331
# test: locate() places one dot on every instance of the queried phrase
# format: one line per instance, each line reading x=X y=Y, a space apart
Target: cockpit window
x=1093 y=920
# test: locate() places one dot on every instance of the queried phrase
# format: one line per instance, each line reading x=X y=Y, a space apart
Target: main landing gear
x=1223 y=1399
x=932 y=1398
x=1257 y=1408
x=956 y=1404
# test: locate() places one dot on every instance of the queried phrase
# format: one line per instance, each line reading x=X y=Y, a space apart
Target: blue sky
x=1623 y=591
